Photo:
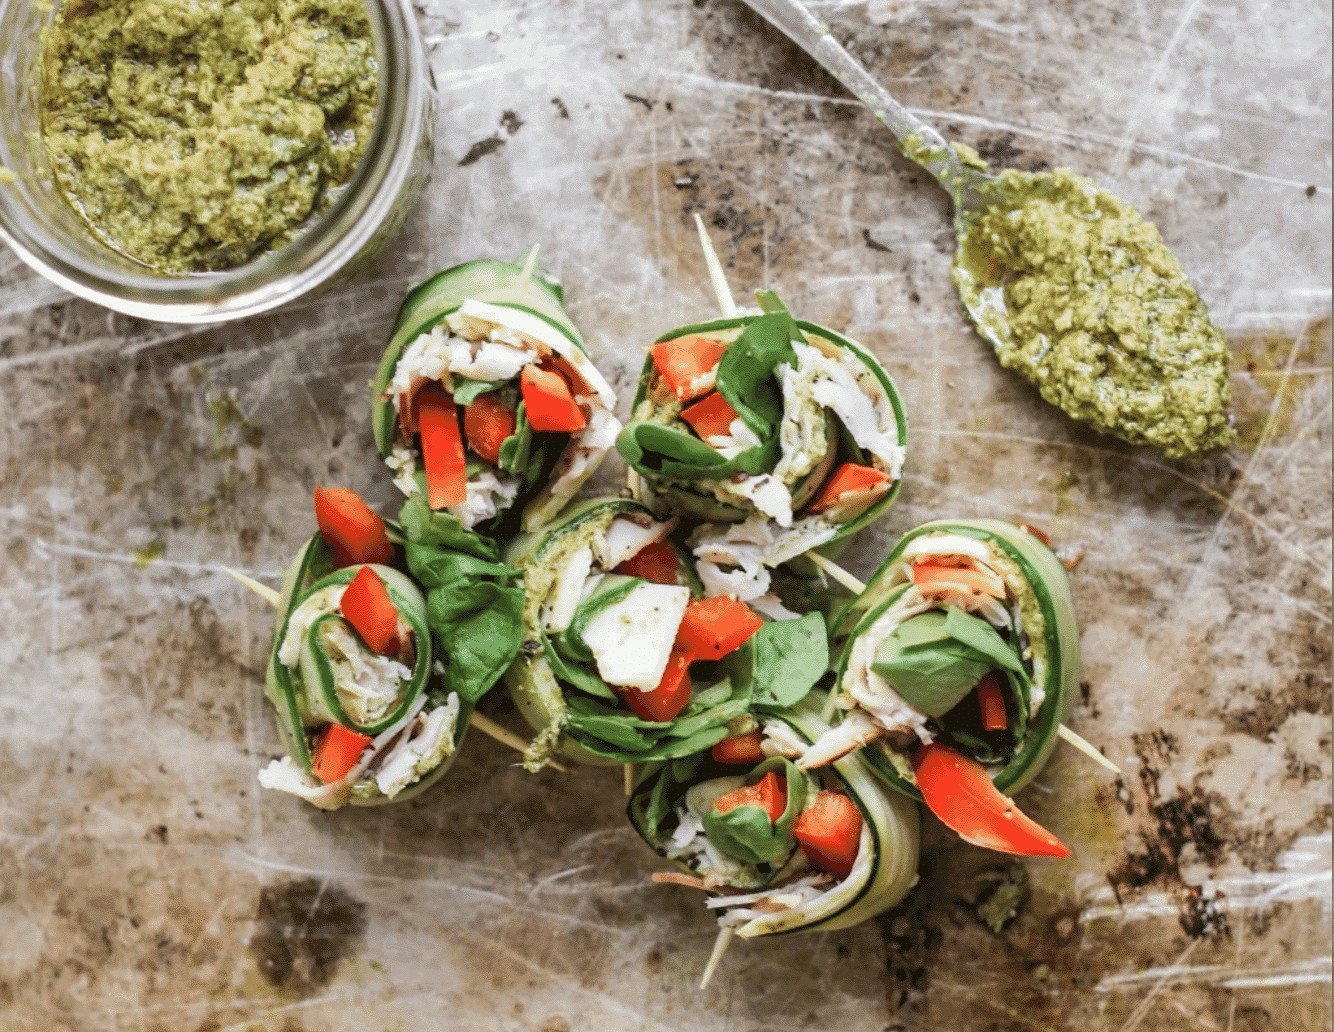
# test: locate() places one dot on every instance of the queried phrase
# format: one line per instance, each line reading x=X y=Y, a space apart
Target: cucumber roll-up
x=961 y=661
x=780 y=436
x=624 y=660
x=486 y=400
x=362 y=714
x=777 y=848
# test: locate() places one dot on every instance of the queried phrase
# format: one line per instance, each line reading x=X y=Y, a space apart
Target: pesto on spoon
x=1072 y=286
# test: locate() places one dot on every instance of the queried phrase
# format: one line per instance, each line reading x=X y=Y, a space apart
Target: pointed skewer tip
x=262 y=590
x=720 y=945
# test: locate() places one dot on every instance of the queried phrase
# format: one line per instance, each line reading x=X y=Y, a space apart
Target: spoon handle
x=918 y=140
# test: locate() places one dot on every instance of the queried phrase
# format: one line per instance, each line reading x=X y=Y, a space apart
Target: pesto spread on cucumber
x=1078 y=293
x=193 y=135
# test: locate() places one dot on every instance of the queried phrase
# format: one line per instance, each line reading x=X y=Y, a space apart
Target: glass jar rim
x=315 y=255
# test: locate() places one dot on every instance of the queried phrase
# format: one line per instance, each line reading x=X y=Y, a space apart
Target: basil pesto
x=1077 y=292
x=193 y=135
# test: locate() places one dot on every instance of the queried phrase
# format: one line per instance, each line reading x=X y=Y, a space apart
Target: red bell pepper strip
x=657 y=563
x=769 y=794
x=716 y=627
x=366 y=605
x=848 y=477
x=336 y=752
x=992 y=701
x=959 y=792
x=442 y=448
x=353 y=532
x=672 y=695
x=547 y=401
x=739 y=750
x=487 y=422
x=927 y=574
x=682 y=362
x=711 y=417
x=829 y=832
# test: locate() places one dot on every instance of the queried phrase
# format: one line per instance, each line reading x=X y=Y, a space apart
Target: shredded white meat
x=581 y=457
x=440 y=354
x=730 y=558
x=404 y=467
x=284 y=775
x=851 y=391
x=771 y=607
x=779 y=739
x=868 y=689
x=317 y=605
x=421 y=746
x=367 y=683
x=738 y=438
x=489 y=492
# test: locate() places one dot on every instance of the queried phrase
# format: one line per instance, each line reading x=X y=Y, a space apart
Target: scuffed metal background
x=144 y=882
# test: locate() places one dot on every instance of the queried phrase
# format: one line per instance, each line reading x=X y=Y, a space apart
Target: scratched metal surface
x=145 y=884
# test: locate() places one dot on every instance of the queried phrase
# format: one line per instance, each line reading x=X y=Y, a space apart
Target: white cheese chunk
x=631 y=640
x=569 y=590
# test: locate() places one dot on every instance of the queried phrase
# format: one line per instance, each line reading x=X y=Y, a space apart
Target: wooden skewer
x=505 y=736
x=262 y=590
x=1088 y=749
x=530 y=263
x=483 y=723
x=629 y=779
x=717 y=278
x=720 y=945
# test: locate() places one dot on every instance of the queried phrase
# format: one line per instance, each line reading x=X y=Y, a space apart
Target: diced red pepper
x=487 y=422
x=769 y=794
x=351 y=529
x=992 y=700
x=336 y=752
x=681 y=363
x=716 y=627
x=671 y=696
x=657 y=563
x=739 y=750
x=849 y=477
x=711 y=417
x=442 y=448
x=548 y=402
x=959 y=792
x=366 y=605
x=829 y=832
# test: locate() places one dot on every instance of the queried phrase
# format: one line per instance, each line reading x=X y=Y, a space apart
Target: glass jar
x=38 y=223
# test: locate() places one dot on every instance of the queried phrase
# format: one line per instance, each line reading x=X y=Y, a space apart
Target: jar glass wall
x=38 y=223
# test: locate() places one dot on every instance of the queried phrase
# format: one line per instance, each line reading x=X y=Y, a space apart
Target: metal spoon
x=970 y=188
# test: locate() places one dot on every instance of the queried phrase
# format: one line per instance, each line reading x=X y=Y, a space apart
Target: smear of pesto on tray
x=193 y=135
x=1079 y=294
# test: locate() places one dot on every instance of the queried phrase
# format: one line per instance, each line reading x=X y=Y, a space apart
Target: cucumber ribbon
x=474 y=327
x=760 y=881
x=913 y=655
x=460 y=606
x=556 y=683
x=814 y=454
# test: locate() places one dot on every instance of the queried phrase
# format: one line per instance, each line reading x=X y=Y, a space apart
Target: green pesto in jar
x=194 y=135
x=1077 y=292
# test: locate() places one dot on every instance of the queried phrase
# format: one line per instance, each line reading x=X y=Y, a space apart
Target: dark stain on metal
x=305 y=927
x=481 y=149
x=1188 y=817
